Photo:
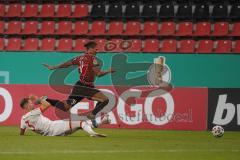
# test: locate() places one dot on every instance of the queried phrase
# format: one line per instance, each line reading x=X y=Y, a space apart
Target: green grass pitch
x=120 y=144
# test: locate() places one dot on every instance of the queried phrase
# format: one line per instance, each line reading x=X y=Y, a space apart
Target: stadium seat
x=14 y=10
x=48 y=44
x=167 y=29
x=202 y=29
x=2 y=27
x=169 y=46
x=80 y=10
x=115 y=28
x=220 y=29
x=150 y=28
x=101 y=44
x=98 y=10
x=80 y=28
x=47 y=10
x=47 y=27
x=235 y=12
x=2 y=10
x=223 y=46
x=151 y=45
x=115 y=10
x=201 y=11
x=136 y=45
x=236 y=48
x=98 y=28
x=185 y=29
x=166 y=11
x=31 y=10
x=204 y=46
x=31 y=44
x=187 y=46
x=14 y=27
x=113 y=45
x=30 y=27
x=64 y=27
x=132 y=10
x=13 y=44
x=149 y=10
x=235 y=29
x=79 y=45
x=220 y=11
x=63 y=10
x=132 y=28
x=2 y=44
x=65 y=45
x=184 y=11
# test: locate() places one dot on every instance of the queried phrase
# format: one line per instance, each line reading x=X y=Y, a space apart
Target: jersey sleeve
x=23 y=125
x=95 y=62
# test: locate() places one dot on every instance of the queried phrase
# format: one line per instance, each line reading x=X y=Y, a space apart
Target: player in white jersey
x=37 y=122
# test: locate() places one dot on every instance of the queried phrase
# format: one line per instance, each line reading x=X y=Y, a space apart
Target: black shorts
x=81 y=91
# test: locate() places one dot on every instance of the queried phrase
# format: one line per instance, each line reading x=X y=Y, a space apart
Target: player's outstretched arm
x=44 y=104
x=100 y=73
x=63 y=65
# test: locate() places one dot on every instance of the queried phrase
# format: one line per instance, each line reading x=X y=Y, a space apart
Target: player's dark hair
x=90 y=44
x=23 y=102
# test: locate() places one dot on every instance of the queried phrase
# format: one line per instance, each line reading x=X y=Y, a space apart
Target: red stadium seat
x=98 y=28
x=185 y=29
x=64 y=10
x=2 y=10
x=150 y=28
x=204 y=46
x=101 y=44
x=14 y=10
x=31 y=10
x=79 y=45
x=48 y=44
x=151 y=45
x=2 y=27
x=169 y=45
x=220 y=29
x=31 y=44
x=80 y=28
x=47 y=27
x=65 y=45
x=80 y=10
x=30 y=27
x=167 y=29
x=202 y=29
x=115 y=28
x=136 y=45
x=236 y=29
x=47 y=10
x=2 y=43
x=223 y=46
x=114 y=45
x=14 y=27
x=132 y=28
x=64 y=27
x=236 y=48
x=187 y=46
x=13 y=44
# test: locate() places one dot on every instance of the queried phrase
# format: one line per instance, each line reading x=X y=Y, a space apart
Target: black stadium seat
x=201 y=11
x=149 y=10
x=167 y=11
x=184 y=11
x=98 y=10
x=132 y=10
x=220 y=11
x=235 y=12
x=115 y=10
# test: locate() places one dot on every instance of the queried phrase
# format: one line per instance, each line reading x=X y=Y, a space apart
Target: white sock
x=87 y=128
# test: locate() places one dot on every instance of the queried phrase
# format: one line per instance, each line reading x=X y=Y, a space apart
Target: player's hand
x=48 y=66
x=111 y=70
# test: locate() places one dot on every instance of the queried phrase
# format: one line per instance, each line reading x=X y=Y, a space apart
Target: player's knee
x=106 y=101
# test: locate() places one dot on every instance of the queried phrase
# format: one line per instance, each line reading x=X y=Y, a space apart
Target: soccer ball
x=217 y=131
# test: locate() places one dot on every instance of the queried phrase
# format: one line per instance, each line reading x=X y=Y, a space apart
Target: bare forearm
x=102 y=73
x=63 y=65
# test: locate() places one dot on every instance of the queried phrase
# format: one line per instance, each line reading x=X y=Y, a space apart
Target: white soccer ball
x=217 y=131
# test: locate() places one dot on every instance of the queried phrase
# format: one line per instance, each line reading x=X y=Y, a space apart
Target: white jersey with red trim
x=35 y=121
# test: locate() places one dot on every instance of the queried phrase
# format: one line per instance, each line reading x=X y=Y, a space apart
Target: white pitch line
x=117 y=151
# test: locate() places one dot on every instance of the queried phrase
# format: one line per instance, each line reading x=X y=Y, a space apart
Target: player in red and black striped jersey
x=88 y=68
